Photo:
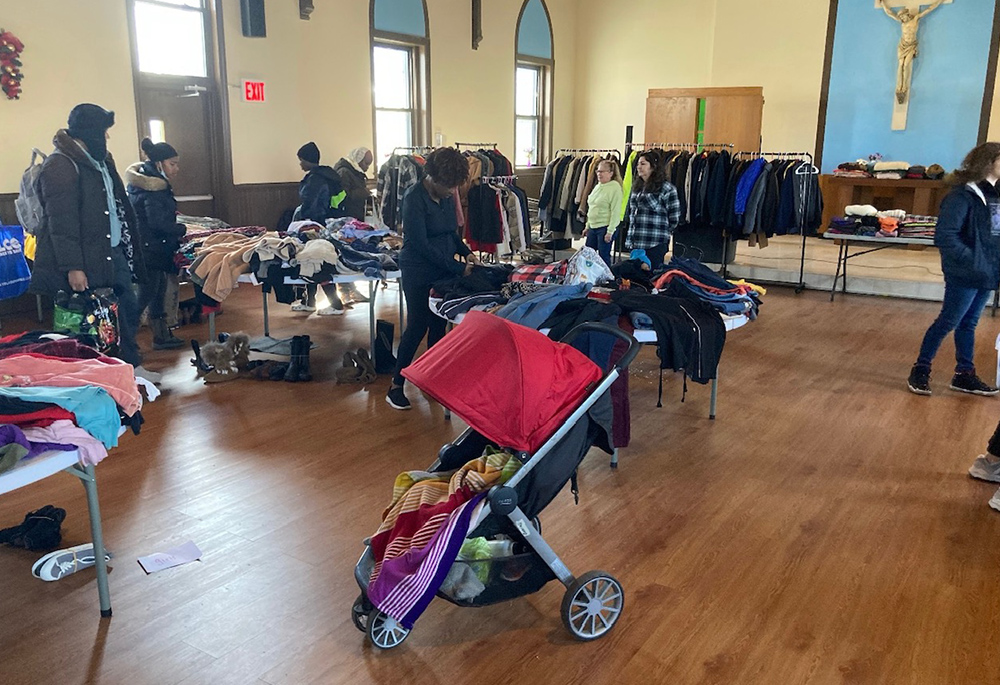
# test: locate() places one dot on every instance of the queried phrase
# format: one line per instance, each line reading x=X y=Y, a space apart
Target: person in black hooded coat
x=149 y=190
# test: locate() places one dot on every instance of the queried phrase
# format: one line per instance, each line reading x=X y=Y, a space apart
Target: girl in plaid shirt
x=654 y=209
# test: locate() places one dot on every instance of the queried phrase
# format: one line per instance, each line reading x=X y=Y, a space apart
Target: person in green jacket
x=604 y=209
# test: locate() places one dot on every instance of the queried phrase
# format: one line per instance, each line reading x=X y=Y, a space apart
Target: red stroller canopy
x=508 y=382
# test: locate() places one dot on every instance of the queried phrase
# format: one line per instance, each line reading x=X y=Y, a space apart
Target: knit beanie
x=157 y=152
x=89 y=123
x=309 y=153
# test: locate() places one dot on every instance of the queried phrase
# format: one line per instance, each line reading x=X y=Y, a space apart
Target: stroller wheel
x=592 y=605
x=359 y=613
x=385 y=632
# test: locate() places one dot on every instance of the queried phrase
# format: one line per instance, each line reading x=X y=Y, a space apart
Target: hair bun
x=147 y=145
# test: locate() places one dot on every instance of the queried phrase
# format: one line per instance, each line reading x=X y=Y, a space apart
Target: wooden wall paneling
x=735 y=119
x=261 y=204
x=8 y=216
x=671 y=119
x=913 y=195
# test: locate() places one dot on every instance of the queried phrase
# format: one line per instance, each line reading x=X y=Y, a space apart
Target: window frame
x=419 y=50
x=150 y=78
x=539 y=115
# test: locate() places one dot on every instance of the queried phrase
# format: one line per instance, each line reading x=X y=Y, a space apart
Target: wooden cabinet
x=732 y=115
x=916 y=196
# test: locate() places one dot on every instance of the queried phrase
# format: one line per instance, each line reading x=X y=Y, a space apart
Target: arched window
x=533 y=85
x=400 y=74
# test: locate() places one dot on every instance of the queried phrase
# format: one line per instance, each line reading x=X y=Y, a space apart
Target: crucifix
x=908 y=16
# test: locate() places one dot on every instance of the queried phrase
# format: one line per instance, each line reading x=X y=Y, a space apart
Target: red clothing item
x=66 y=349
x=40 y=418
x=114 y=375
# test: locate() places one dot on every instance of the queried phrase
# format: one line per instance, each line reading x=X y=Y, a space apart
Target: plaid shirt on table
x=652 y=218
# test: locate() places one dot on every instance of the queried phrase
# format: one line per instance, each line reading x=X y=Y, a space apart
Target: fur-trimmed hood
x=140 y=176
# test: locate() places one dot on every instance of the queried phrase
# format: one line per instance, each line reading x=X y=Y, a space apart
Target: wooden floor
x=822 y=530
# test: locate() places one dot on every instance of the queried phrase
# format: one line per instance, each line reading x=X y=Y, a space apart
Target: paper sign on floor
x=159 y=561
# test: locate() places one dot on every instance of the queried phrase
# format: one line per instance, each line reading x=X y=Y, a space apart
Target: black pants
x=128 y=309
x=420 y=321
x=152 y=294
x=329 y=289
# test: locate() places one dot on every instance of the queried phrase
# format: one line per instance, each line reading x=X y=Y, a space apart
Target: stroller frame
x=593 y=602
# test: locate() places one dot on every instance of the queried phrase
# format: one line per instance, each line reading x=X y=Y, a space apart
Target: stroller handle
x=593 y=326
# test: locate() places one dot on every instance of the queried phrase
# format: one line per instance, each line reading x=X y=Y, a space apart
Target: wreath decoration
x=10 y=64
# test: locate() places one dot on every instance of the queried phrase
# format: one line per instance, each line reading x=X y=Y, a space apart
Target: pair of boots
x=298 y=368
x=163 y=337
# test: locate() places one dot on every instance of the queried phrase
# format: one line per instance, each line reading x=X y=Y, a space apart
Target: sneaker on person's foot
x=919 y=381
x=151 y=376
x=302 y=307
x=396 y=399
x=972 y=384
x=984 y=468
x=330 y=311
x=995 y=500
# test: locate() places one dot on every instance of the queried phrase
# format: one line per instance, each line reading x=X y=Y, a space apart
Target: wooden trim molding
x=991 y=78
x=705 y=92
x=824 y=93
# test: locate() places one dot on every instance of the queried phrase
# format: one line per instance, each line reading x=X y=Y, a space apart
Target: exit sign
x=253 y=91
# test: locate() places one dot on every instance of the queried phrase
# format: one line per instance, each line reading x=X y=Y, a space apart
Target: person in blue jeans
x=968 y=236
x=604 y=209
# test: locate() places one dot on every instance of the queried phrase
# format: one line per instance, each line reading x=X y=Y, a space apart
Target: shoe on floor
x=397 y=399
x=63 y=562
x=171 y=343
x=995 y=500
x=151 y=376
x=919 y=381
x=984 y=469
x=972 y=384
x=302 y=307
x=330 y=311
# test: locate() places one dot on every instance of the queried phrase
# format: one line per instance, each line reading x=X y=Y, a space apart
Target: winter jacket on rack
x=156 y=216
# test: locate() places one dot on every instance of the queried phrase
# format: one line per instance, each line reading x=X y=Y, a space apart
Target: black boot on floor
x=198 y=362
x=292 y=374
x=304 y=372
x=163 y=337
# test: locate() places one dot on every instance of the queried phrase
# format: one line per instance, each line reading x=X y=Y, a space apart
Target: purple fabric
x=10 y=433
x=407 y=584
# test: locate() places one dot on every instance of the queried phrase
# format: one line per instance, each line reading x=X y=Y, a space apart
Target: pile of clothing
x=690 y=279
x=866 y=220
x=876 y=168
x=196 y=236
x=59 y=393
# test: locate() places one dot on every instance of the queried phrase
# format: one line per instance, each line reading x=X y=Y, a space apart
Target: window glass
x=157 y=131
x=184 y=3
x=392 y=78
x=526 y=142
x=170 y=41
x=392 y=129
x=526 y=92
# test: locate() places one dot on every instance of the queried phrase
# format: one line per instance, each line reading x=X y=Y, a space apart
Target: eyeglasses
x=604 y=171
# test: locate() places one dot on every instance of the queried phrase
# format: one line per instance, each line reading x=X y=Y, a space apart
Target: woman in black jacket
x=430 y=247
x=149 y=189
x=967 y=235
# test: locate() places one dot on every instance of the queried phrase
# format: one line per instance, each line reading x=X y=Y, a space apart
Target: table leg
x=89 y=478
x=38 y=307
x=836 y=275
x=847 y=247
x=372 y=290
x=996 y=301
x=715 y=396
x=267 y=323
x=614 y=458
x=211 y=327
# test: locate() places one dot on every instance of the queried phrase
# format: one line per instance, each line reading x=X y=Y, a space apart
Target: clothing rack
x=810 y=171
x=579 y=150
x=477 y=146
x=395 y=173
x=497 y=179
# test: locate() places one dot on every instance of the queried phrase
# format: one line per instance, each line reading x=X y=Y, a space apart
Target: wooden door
x=735 y=119
x=671 y=119
x=181 y=117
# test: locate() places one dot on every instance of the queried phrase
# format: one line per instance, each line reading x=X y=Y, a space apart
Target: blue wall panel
x=400 y=16
x=533 y=37
x=947 y=89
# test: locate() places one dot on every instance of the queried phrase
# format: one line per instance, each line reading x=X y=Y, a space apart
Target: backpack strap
x=35 y=154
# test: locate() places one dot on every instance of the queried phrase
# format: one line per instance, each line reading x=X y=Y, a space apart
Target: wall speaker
x=252 y=16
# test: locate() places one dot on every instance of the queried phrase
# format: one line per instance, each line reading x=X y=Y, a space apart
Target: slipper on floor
x=63 y=562
x=351 y=372
x=367 y=366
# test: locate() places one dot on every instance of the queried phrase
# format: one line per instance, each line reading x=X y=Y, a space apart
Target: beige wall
x=317 y=75
x=74 y=52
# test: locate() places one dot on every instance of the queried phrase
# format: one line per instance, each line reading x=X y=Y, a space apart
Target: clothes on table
x=533 y=309
x=35 y=370
x=70 y=436
x=93 y=408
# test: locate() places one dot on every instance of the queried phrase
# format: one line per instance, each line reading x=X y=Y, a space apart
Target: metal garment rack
x=477 y=146
x=811 y=170
x=590 y=150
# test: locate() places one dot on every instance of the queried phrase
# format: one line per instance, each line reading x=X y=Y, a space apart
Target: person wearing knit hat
x=88 y=237
x=322 y=194
x=353 y=171
x=151 y=193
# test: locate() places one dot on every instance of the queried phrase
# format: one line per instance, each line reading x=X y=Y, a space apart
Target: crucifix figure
x=909 y=22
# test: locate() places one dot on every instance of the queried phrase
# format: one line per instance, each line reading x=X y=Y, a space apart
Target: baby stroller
x=548 y=403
